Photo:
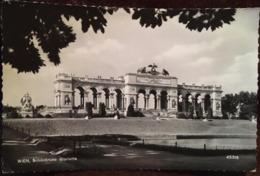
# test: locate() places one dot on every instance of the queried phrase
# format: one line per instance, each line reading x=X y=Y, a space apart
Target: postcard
x=96 y=87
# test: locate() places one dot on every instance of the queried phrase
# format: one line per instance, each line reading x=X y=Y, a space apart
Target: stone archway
x=152 y=100
x=93 y=97
x=207 y=102
x=105 y=99
x=141 y=100
x=198 y=108
x=78 y=98
x=118 y=98
x=164 y=100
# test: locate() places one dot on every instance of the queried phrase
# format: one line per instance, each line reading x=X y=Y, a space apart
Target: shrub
x=102 y=109
x=38 y=115
x=181 y=115
x=13 y=114
x=89 y=107
x=190 y=111
x=130 y=111
x=210 y=113
x=48 y=116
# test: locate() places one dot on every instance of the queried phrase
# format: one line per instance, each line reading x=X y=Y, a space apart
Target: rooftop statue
x=153 y=70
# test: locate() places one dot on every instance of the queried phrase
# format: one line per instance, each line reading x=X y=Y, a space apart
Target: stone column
x=62 y=101
x=194 y=107
x=123 y=101
x=137 y=97
x=82 y=99
x=169 y=99
x=59 y=100
x=147 y=101
x=111 y=99
x=73 y=99
x=55 y=101
x=86 y=99
x=183 y=104
x=158 y=103
x=98 y=98
x=203 y=106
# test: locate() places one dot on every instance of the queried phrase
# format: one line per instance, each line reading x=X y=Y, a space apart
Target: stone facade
x=149 y=92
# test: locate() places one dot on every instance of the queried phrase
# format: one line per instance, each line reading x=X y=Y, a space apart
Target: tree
x=246 y=100
x=7 y=109
x=42 y=26
x=102 y=109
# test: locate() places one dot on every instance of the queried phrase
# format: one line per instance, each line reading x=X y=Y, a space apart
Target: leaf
x=127 y=10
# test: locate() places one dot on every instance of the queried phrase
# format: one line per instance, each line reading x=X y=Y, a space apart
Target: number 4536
x=232 y=157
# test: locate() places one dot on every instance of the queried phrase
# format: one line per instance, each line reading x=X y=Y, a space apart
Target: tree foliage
x=248 y=102
x=26 y=25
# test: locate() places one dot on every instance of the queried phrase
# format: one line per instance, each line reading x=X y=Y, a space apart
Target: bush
x=37 y=115
x=200 y=112
x=102 y=109
x=181 y=115
x=48 y=116
x=130 y=111
x=13 y=114
x=89 y=107
x=190 y=111
x=209 y=113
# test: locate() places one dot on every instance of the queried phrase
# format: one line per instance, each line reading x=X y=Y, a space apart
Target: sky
x=226 y=57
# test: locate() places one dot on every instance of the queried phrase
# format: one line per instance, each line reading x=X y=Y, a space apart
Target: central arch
x=207 y=103
x=152 y=100
x=164 y=101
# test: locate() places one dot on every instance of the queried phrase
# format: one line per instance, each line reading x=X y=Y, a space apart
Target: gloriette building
x=149 y=90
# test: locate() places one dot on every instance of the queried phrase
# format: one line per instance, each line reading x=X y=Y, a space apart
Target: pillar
x=111 y=99
x=98 y=98
x=169 y=102
x=194 y=106
x=203 y=106
x=123 y=101
x=62 y=100
x=55 y=101
x=73 y=99
x=136 y=103
x=86 y=99
x=158 y=103
x=147 y=101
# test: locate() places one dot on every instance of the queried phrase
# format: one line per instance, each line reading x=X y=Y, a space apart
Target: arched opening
x=198 y=108
x=78 y=97
x=141 y=99
x=93 y=97
x=207 y=102
x=152 y=99
x=188 y=101
x=118 y=98
x=180 y=101
x=164 y=101
x=105 y=97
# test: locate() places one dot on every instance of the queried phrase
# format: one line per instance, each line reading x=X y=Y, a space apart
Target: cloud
x=183 y=50
x=202 y=61
x=241 y=75
x=94 y=48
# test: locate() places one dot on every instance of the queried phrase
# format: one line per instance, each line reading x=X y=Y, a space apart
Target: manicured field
x=131 y=126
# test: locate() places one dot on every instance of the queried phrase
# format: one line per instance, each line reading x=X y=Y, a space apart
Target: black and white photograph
x=107 y=88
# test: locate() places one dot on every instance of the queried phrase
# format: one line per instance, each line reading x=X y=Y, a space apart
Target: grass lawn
x=132 y=126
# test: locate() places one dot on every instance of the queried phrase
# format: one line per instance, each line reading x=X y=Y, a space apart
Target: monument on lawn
x=27 y=108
